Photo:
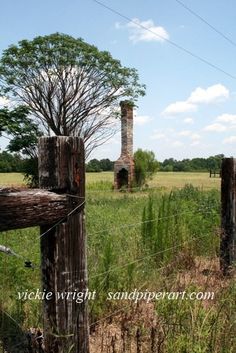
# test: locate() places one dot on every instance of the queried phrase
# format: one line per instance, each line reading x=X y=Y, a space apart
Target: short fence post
x=63 y=248
x=228 y=215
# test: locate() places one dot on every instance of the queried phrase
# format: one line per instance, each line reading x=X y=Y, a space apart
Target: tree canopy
x=22 y=131
x=94 y=165
x=191 y=165
x=70 y=86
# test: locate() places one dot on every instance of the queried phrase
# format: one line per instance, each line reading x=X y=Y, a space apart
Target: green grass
x=104 y=180
x=124 y=253
x=179 y=179
x=163 y=180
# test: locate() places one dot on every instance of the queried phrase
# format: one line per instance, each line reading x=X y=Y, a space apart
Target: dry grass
x=11 y=179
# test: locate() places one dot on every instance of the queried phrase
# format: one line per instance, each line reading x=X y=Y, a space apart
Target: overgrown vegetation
x=151 y=240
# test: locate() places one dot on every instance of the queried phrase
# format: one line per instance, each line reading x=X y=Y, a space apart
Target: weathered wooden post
x=63 y=248
x=228 y=214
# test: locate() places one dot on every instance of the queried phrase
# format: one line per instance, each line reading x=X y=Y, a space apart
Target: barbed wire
x=137 y=260
x=64 y=218
x=131 y=225
x=144 y=258
x=29 y=264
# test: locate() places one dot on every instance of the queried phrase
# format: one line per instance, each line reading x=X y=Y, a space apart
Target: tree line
x=192 y=165
x=15 y=162
x=11 y=162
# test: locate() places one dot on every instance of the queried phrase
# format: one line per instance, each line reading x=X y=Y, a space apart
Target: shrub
x=145 y=166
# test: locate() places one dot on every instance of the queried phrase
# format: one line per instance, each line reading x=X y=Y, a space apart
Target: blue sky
x=190 y=108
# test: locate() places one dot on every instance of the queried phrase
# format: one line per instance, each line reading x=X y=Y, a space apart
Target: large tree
x=70 y=86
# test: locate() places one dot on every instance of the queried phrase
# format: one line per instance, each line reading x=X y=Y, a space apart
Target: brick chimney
x=124 y=166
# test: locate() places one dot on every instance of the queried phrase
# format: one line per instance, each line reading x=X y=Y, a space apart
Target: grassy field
x=10 y=179
x=150 y=240
x=161 y=180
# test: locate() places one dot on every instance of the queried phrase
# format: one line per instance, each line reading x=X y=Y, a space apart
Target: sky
x=190 y=106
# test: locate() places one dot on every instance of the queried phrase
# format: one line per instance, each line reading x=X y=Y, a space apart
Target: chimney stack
x=126 y=129
x=124 y=166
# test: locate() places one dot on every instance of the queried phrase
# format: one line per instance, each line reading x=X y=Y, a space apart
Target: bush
x=145 y=166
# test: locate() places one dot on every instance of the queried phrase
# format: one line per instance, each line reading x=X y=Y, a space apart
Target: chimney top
x=126 y=103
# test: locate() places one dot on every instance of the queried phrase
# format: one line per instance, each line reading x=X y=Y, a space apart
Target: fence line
x=144 y=258
x=138 y=260
x=29 y=264
x=143 y=222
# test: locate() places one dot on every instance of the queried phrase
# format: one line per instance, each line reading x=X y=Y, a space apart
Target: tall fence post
x=228 y=215
x=63 y=248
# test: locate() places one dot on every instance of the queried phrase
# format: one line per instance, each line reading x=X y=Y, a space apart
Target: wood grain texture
x=63 y=249
x=29 y=208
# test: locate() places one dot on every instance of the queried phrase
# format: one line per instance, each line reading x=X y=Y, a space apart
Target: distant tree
x=70 y=86
x=215 y=162
x=167 y=168
x=195 y=164
x=106 y=165
x=10 y=163
x=93 y=166
x=145 y=166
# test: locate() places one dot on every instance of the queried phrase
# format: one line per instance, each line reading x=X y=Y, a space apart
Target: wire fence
x=200 y=208
x=29 y=264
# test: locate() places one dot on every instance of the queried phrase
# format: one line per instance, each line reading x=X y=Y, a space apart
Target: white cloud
x=177 y=143
x=190 y=134
x=209 y=95
x=195 y=143
x=200 y=95
x=179 y=107
x=139 y=33
x=185 y=133
x=4 y=102
x=231 y=139
x=158 y=136
x=195 y=137
x=189 y=121
x=227 y=118
x=216 y=127
x=142 y=119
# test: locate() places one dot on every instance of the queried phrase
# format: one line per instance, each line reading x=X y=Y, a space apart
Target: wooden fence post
x=63 y=248
x=228 y=215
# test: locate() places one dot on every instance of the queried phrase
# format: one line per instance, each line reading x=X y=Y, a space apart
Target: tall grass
x=188 y=215
x=140 y=240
